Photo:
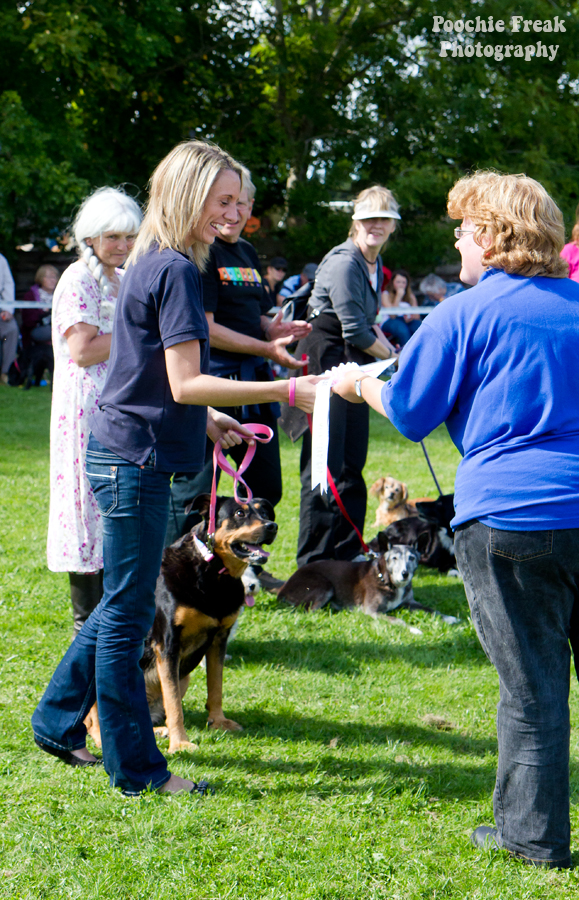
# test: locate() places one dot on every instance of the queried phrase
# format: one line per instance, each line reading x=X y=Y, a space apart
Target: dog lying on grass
x=423 y=537
x=376 y=587
x=198 y=601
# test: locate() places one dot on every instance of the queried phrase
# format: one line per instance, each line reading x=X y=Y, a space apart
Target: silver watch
x=358 y=385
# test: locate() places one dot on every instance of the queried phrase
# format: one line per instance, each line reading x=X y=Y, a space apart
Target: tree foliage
x=318 y=97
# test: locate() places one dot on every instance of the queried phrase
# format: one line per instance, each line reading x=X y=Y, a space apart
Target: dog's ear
x=377 y=487
x=383 y=541
x=199 y=505
x=404 y=491
x=425 y=542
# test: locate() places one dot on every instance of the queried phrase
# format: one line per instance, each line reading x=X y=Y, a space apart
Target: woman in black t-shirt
x=152 y=417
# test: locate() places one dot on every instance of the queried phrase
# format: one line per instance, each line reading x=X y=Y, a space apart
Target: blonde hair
x=521 y=221
x=375 y=198
x=178 y=190
x=106 y=209
x=44 y=270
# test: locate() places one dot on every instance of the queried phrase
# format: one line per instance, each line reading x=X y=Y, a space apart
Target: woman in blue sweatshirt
x=497 y=364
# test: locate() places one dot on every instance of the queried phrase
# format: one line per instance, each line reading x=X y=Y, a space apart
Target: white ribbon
x=321 y=417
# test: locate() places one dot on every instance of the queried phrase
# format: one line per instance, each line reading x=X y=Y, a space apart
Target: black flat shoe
x=202 y=788
x=66 y=756
x=199 y=787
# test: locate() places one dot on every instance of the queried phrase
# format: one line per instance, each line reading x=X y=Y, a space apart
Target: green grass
x=337 y=789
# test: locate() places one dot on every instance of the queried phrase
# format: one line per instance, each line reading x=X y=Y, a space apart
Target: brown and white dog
x=197 y=603
x=375 y=587
x=394 y=505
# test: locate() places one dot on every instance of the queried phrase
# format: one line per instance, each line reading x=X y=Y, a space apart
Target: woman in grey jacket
x=346 y=295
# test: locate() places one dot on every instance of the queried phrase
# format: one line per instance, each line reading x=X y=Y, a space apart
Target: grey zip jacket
x=342 y=288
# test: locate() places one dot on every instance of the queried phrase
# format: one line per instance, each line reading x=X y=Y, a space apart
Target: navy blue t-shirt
x=498 y=364
x=160 y=304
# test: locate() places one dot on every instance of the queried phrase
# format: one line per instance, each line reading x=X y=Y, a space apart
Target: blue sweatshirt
x=499 y=364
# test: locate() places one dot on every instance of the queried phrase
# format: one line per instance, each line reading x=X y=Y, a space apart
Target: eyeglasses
x=460 y=232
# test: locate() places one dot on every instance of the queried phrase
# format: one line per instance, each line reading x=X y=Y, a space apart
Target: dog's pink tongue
x=255 y=548
x=250 y=600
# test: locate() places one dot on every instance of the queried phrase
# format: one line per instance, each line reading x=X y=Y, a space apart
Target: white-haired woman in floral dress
x=105 y=229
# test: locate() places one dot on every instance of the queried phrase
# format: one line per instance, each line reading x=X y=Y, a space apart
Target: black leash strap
x=431 y=469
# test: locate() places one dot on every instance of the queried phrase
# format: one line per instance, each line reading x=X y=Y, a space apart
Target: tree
x=318 y=97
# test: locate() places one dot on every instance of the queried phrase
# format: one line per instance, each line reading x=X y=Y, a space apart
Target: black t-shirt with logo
x=233 y=290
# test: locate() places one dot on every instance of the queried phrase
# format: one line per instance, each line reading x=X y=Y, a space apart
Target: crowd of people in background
x=25 y=333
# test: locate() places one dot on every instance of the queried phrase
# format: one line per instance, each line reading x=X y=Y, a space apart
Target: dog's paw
x=413 y=630
x=161 y=731
x=182 y=745
x=453 y=573
x=224 y=724
x=93 y=728
x=450 y=620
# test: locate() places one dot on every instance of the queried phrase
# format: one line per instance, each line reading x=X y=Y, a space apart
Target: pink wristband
x=292 y=392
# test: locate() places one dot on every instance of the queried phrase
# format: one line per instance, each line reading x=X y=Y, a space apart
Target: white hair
x=106 y=209
x=246 y=182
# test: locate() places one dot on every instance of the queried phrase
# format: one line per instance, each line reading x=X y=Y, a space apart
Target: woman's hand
x=275 y=328
x=226 y=430
x=384 y=340
x=346 y=388
x=276 y=351
x=305 y=396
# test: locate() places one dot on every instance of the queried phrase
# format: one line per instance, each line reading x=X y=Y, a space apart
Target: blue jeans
x=102 y=663
x=521 y=587
x=399 y=330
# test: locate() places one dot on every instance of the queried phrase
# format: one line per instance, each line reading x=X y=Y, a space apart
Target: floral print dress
x=74 y=527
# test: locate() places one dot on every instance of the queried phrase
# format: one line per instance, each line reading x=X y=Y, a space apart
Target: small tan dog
x=393 y=506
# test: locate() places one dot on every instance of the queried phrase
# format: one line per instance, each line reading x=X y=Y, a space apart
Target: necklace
x=371 y=262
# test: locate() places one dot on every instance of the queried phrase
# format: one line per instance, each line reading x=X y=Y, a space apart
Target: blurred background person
x=275 y=273
x=434 y=289
x=8 y=325
x=295 y=282
x=105 y=229
x=398 y=329
x=346 y=295
x=570 y=251
x=36 y=326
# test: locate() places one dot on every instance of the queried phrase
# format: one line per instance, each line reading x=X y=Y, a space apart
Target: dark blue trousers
x=522 y=587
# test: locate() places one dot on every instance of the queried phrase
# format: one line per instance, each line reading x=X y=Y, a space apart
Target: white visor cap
x=364 y=212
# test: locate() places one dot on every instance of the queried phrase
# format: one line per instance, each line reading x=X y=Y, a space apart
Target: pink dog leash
x=261 y=433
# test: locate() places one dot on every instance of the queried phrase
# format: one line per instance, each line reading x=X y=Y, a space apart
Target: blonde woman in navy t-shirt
x=153 y=415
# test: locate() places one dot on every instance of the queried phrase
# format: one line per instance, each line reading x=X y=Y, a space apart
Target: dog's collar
x=204 y=550
x=379 y=574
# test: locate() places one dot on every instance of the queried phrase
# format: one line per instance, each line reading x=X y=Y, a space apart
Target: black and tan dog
x=197 y=603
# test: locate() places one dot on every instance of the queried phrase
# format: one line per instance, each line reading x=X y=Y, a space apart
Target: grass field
x=341 y=787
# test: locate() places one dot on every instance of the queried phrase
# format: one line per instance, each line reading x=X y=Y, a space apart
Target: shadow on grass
x=343 y=657
x=328 y=777
x=328 y=772
x=259 y=723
